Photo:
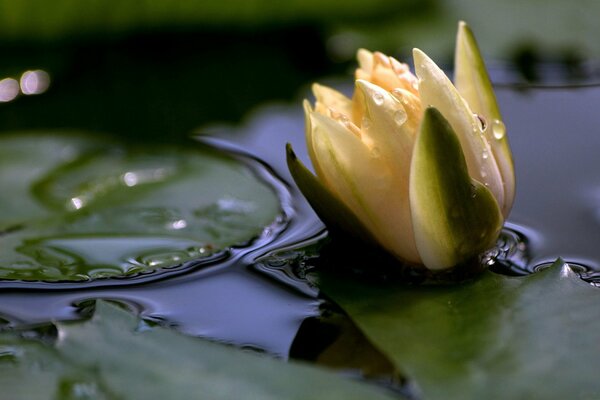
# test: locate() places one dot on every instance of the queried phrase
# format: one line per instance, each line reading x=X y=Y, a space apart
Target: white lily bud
x=419 y=163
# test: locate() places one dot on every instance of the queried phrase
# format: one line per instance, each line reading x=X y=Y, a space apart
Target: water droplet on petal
x=365 y=123
x=498 y=129
x=400 y=117
x=473 y=191
x=485 y=155
x=482 y=122
x=378 y=98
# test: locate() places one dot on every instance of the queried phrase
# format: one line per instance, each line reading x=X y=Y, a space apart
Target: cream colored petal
x=436 y=90
x=473 y=83
x=386 y=130
x=412 y=106
x=308 y=111
x=347 y=167
x=410 y=82
x=333 y=99
x=365 y=60
x=384 y=124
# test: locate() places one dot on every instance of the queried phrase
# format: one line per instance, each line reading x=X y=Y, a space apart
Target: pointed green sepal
x=473 y=83
x=338 y=218
x=454 y=217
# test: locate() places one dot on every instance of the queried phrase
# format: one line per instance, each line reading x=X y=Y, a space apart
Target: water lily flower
x=415 y=164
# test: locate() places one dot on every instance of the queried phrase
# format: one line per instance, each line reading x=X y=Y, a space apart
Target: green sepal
x=454 y=217
x=474 y=85
x=338 y=218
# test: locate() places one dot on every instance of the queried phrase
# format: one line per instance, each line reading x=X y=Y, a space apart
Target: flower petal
x=332 y=99
x=345 y=164
x=473 y=83
x=361 y=178
x=365 y=60
x=390 y=133
x=437 y=91
x=338 y=218
x=454 y=217
x=309 y=137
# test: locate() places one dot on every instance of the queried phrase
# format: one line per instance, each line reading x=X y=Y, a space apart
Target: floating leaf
x=81 y=207
x=497 y=337
x=106 y=358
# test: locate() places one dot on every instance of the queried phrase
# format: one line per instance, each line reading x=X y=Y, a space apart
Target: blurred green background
x=158 y=70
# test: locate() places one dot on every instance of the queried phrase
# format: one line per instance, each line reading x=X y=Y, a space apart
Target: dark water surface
x=256 y=296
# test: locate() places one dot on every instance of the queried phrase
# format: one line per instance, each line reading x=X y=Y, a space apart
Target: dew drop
x=498 y=129
x=365 y=123
x=485 y=155
x=400 y=117
x=483 y=173
x=482 y=122
x=473 y=191
x=378 y=98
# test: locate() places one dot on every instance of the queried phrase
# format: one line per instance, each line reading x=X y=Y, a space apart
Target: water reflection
x=30 y=83
x=34 y=82
x=555 y=141
x=9 y=90
x=230 y=306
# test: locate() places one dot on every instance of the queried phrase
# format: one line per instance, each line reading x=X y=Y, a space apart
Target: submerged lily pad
x=497 y=337
x=76 y=208
x=114 y=356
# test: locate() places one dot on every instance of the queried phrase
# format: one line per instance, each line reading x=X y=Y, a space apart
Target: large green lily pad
x=115 y=356
x=497 y=337
x=80 y=207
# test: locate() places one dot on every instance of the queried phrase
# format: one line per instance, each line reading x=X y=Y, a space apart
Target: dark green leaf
x=80 y=207
x=497 y=337
x=109 y=357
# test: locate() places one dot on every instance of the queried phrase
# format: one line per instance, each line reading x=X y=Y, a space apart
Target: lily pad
x=82 y=207
x=497 y=337
x=115 y=356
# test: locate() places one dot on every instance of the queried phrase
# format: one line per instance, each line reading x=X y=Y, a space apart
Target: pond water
x=256 y=296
